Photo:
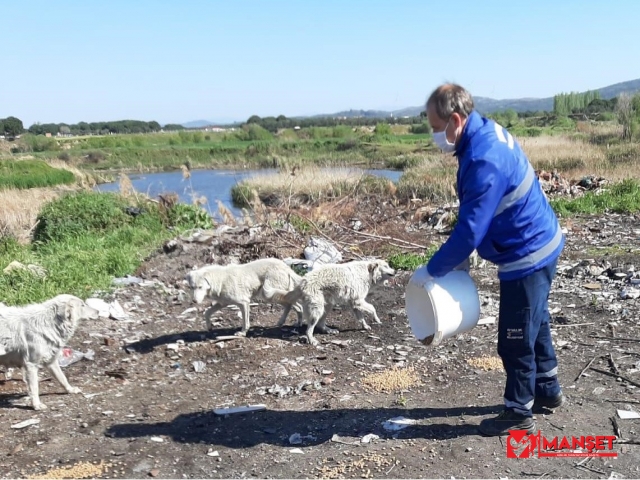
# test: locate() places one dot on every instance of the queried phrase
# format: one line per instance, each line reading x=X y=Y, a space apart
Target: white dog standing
x=34 y=335
x=345 y=284
x=240 y=285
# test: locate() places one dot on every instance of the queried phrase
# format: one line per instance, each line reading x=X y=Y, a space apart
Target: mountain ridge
x=484 y=105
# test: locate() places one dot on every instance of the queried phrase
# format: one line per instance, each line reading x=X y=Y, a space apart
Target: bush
x=421 y=128
x=253 y=132
x=81 y=213
x=342 y=131
x=382 y=129
x=182 y=215
x=39 y=143
x=95 y=157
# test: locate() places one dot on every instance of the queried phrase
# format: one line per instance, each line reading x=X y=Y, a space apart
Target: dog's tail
x=281 y=296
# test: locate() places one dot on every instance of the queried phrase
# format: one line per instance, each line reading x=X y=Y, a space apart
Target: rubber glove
x=465 y=265
x=421 y=276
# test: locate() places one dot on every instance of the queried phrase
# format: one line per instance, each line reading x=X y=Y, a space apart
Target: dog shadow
x=315 y=427
x=282 y=333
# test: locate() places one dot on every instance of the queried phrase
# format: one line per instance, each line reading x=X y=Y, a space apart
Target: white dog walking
x=241 y=284
x=345 y=284
x=34 y=335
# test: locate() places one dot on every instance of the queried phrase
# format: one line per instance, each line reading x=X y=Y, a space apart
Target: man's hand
x=421 y=276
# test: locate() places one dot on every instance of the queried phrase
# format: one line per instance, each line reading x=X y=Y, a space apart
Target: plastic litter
x=70 y=356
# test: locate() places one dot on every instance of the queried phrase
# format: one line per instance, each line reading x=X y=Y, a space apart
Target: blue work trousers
x=524 y=340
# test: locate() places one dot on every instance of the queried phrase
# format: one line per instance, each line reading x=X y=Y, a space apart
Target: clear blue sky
x=176 y=61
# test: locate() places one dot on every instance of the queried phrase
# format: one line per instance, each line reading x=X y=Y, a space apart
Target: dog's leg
x=360 y=317
x=365 y=307
x=59 y=375
x=312 y=320
x=322 y=326
x=298 y=310
x=244 y=309
x=285 y=314
x=209 y=312
x=31 y=372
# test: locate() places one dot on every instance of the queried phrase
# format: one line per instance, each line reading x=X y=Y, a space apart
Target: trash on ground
x=243 y=409
x=628 y=414
x=398 y=423
x=70 y=356
x=26 y=423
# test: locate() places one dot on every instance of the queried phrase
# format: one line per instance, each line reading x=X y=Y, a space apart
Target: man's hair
x=451 y=98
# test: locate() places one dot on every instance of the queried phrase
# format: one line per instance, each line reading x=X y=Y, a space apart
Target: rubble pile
x=553 y=184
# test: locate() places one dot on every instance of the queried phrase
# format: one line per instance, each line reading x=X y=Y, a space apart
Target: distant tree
x=65 y=130
x=254 y=119
x=624 y=112
x=173 y=126
x=281 y=118
x=12 y=126
x=567 y=103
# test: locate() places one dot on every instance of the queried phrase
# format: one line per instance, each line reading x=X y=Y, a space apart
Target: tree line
x=95 y=128
x=273 y=124
x=564 y=104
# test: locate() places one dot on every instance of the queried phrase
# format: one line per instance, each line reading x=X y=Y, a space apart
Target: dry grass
x=84 y=179
x=310 y=186
x=20 y=209
x=434 y=179
x=563 y=153
x=391 y=380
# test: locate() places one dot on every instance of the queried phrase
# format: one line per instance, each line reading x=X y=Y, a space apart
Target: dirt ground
x=149 y=394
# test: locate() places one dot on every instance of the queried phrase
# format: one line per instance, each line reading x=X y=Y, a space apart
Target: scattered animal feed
x=367 y=466
x=79 y=470
x=486 y=363
x=391 y=380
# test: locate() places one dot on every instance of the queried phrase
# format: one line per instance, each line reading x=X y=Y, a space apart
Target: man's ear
x=457 y=120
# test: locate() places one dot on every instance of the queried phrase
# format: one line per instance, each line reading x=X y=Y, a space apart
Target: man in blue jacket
x=505 y=216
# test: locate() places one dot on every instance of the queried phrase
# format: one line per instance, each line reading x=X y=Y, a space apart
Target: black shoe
x=507 y=420
x=548 y=404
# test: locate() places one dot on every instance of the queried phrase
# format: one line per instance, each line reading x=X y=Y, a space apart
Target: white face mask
x=441 y=140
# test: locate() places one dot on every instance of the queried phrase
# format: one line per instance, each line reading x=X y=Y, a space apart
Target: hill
x=483 y=105
x=488 y=105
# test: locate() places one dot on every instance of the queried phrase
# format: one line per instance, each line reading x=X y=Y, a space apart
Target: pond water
x=213 y=184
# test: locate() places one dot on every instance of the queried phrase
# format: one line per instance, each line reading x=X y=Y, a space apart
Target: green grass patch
x=86 y=239
x=25 y=174
x=623 y=197
x=411 y=261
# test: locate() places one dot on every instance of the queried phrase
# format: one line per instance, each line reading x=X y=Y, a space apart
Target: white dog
x=241 y=284
x=34 y=335
x=345 y=284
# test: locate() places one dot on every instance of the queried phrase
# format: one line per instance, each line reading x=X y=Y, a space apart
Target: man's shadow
x=315 y=427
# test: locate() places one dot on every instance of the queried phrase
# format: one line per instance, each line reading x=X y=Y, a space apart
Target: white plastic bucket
x=445 y=307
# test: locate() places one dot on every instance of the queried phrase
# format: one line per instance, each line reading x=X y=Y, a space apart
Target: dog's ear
x=72 y=309
x=372 y=266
